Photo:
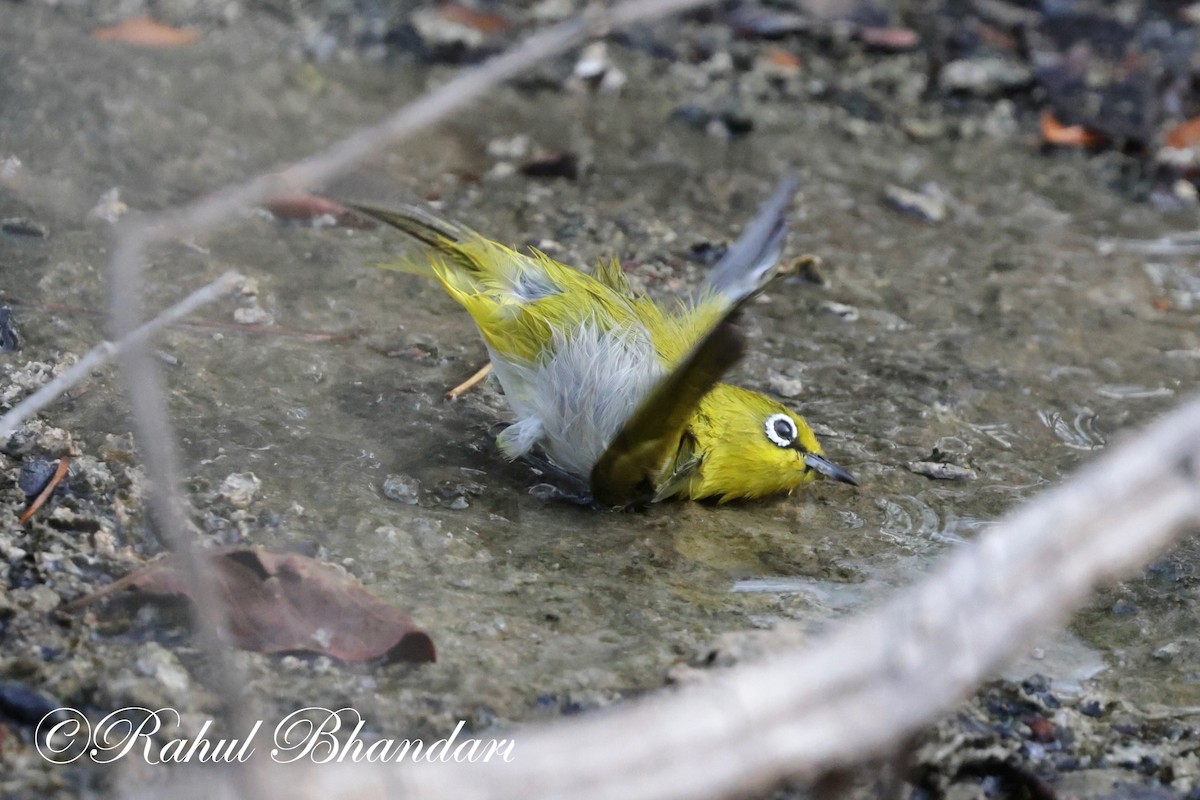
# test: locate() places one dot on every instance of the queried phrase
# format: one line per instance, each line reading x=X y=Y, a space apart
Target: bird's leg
x=469 y=383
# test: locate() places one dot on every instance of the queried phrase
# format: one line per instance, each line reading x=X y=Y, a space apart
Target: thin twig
x=107 y=351
x=470 y=383
x=64 y=464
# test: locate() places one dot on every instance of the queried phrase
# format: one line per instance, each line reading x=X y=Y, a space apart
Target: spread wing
x=632 y=466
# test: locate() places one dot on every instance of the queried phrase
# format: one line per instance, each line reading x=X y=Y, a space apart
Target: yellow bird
x=615 y=389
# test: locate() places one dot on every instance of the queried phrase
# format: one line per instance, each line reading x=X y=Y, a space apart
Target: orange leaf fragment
x=484 y=23
x=305 y=207
x=1184 y=135
x=146 y=32
x=287 y=603
x=777 y=56
x=1054 y=132
x=889 y=38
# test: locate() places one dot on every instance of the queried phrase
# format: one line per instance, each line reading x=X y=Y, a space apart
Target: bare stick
x=470 y=383
x=855 y=693
x=107 y=351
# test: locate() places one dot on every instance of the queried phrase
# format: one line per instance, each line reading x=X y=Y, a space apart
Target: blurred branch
x=851 y=695
x=107 y=351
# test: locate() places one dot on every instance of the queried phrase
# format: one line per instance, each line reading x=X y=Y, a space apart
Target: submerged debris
x=286 y=603
x=940 y=471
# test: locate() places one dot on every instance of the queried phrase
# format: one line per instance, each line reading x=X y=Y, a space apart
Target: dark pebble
x=9 y=341
x=707 y=253
x=559 y=165
x=1124 y=608
x=693 y=116
x=35 y=475
x=23 y=705
x=20 y=226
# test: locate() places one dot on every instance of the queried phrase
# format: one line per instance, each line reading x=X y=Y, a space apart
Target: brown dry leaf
x=1054 y=132
x=1184 y=135
x=287 y=603
x=484 y=23
x=778 y=57
x=307 y=207
x=892 y=39
x=146 y=32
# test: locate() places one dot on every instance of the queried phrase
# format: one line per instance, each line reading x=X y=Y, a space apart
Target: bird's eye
x=781 y=430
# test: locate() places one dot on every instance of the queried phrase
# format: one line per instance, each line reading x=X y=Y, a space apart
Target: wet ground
x=1014 y=330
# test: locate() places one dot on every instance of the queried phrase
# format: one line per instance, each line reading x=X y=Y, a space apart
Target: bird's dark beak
x=829 y=469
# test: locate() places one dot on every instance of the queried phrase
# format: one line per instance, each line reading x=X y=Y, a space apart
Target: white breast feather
x=576 y=398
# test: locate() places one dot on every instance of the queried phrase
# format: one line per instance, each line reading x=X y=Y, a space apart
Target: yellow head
x=750 y=446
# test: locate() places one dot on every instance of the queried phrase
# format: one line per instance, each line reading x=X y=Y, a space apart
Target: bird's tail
x=456 y=244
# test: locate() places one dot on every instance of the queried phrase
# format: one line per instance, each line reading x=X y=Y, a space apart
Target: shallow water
x=1008 y=336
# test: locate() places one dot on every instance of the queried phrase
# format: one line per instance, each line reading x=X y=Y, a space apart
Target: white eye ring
x=783 y=435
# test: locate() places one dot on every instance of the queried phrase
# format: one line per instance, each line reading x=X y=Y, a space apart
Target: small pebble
x=239 y=489
x=983 y=76
x=509 y=147
x=929 y=204
x=254 y=315
x=109 y=209
x=402 y=488
x=846 y=312
x=942 y=472
x=594 y=71
x=784 y=385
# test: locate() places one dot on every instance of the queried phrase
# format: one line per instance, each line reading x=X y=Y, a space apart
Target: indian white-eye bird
x=615 y=388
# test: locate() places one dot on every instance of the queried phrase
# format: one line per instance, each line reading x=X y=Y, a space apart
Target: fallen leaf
x=287 y=603
x=993 y=37
x=308 y=207
x=889 y=38
x=1184 y=135
x=1054 y=132
x=484 y=23
x=146 y=32
x=778 y=57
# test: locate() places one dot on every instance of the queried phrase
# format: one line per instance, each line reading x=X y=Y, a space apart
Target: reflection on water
x=1079 y=433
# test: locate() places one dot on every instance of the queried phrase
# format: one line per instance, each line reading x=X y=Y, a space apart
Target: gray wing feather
x=750 y=261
